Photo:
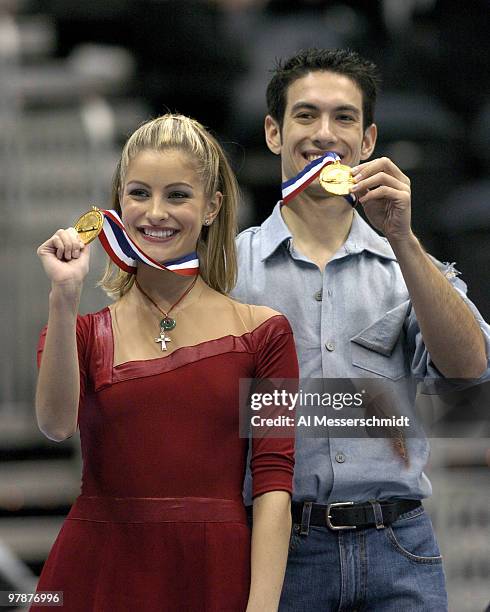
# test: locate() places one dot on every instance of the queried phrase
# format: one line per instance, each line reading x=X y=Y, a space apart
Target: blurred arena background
x=77 y=77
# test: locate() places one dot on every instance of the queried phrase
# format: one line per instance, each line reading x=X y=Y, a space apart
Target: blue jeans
x=395 y=569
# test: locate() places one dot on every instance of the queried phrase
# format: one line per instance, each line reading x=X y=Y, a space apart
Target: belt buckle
x=329 y=516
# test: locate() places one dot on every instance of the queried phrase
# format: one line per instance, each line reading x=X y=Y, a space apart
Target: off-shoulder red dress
x=160 y=523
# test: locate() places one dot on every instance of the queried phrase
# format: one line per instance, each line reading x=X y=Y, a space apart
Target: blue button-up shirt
x=353 y=320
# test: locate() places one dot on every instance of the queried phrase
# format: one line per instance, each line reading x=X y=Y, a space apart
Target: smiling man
x=361 y=306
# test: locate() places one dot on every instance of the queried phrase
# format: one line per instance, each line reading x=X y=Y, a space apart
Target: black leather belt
x=350 y=515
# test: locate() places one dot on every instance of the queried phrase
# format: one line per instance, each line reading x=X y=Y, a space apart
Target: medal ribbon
x=298 y=183
x=126 y=254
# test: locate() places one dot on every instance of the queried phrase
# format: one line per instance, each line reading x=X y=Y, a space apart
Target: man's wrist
x=404 y=246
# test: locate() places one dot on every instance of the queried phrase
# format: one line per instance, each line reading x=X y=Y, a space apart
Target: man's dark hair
x=342 y=61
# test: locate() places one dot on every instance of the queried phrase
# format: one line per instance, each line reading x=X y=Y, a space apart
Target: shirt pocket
x=379 y=348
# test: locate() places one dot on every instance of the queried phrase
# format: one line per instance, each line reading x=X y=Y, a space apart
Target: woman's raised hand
x=65 y=258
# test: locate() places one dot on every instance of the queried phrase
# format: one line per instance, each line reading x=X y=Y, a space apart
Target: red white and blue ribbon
x=126 y=254
x=298 y=183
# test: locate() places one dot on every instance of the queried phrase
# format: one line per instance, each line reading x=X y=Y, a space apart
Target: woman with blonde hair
x=152 y=382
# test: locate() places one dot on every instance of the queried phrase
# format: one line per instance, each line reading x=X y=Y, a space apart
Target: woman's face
x=163 y=203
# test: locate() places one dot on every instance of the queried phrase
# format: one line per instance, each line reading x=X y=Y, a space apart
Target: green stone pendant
x=167 y=324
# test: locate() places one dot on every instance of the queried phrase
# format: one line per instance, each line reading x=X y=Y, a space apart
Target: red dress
x=160 y=523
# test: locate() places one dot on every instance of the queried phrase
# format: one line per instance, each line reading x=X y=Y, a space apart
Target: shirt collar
x=274 y=232
x=361 y=237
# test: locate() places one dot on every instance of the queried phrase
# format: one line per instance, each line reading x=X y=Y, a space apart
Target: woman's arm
x=270 y=540
x=272 y=464
x=65 y=260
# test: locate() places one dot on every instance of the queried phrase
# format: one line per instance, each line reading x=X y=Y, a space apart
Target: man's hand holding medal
x=384 y=192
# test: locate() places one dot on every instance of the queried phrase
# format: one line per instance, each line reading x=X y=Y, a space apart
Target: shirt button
x=318 y=296
x=330 y=346
x=340 y=457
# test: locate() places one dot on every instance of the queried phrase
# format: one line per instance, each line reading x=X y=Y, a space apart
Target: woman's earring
x=207 y=222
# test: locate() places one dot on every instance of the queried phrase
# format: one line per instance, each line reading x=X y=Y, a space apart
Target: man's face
x=323 y=113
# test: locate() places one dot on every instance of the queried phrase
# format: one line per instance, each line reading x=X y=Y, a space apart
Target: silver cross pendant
x=163 y=339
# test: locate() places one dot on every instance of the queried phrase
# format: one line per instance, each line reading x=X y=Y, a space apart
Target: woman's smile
x=158 y=234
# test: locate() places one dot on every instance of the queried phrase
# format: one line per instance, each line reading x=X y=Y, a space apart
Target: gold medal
x=89 y=225
x=336 y=179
